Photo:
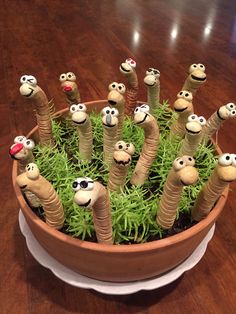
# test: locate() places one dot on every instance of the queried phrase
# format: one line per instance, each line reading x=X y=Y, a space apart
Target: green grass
x=134 y=210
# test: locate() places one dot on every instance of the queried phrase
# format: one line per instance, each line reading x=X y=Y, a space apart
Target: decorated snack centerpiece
x=118 y=189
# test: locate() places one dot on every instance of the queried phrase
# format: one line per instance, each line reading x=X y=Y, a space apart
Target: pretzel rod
x=149 y=149
x=70 y=88
x=195 y=79
x=32 y=181
x=152 y=82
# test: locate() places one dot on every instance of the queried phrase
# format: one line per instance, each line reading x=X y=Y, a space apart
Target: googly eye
x=179 y=164
x=114 y=112
x=189 y=160
x=29 y=144
x=81 y=107
x=85 y=184
x=121 y=88
x=233 y=158
x=32 y=171
x=193 y=67
x=74 y=108
x=180 y=94
x=131 y=62
x=144 y=108
x=31 y=80
x=62 y=77
x=201 y=67
x=225 y=160
x=23 y=79
x=137 y=110
x=106 y=110
x=232 y=113
x=19 y=139
x=188 y=96
x=231 y=106
x=121 y=145
x=202 y=120
x=112 y=86
x=193 y=117
x=156 y=73
x=70 y=76
x=130 y=149
x=149 y=71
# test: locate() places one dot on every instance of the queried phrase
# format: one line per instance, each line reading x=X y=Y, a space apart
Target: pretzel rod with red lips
x=127 y=68
x=152 y=81
x=32 y=181
x=223 y=174
x=94 y=195
x=32 y=91
x=70 y=88
x=182 y=173
x=196 y=78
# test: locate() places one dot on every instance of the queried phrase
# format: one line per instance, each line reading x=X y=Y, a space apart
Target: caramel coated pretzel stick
x=222 y=175
x=32 y=91
x=182 y=173
x=127 y=68
x=70 y=88
x=152 y=81
x=32 y=181
x=149 y=150
x=95 y=196
x=196 y=78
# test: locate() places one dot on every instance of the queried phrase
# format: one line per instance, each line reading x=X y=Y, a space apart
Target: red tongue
x=67 y=89
x=16 y=149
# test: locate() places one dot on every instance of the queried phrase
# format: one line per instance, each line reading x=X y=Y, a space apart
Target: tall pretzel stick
x=223 y=174
x=196 y=78
x=150 y=146
x=184 y=108
x=70 y=88
x=95 y=196
x=82 y=121
x=119 y=168
x=31 y=90
x=182 y=173
x=152 y=81
x=128 y=70
x=32 y=181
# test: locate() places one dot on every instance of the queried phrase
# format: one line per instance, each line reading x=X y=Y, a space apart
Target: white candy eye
x=70 y=76
x=144 y=108
x=178 y=164
x=201 y=67
x=193 y=67
x=181 y=94
x=149 y=71
x=73 y=108
x=113 y=85
x=156 y=73
x=189 y=160
x=193 y=117
x=31 y=80
x=29 y=144
x=23 y=79
x=188 y=96
x=32 y=171
x=202 y=120
x=231 y=106
x=233 y=158
x=121 y=145
x=85 y=184
x=19 y=139
x=106 y=110
x=131 y=62
x=62 y=77
x=114 y=112
x=130 y=149
x=81 y=107
x=137 y=110
x=225 y=160
x=121 y=88
x=232 y=113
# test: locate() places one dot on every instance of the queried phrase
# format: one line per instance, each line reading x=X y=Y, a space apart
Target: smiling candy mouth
x=198 y=78
x=123 y=69
x=151 y=85
x=183 y=183
x=145 y=117
x=32 y=90
x=180 y=110
x=85 y=204
x=189 y=131
x=79 y=122
x=109 y=126
x=23 y=186
x=112 y=102
x=121 y=162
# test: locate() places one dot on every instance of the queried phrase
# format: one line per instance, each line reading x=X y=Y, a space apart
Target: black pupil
x=186 y=94
x=112 y=112
x=127 y=145
x=149 y=70
x=193 y=117
x=27 y=142
x=84 y=184
x=107 y=112
x=227 y=157
x=181 y=162
x=190 y=159
x=120 y=146
x=69 y=75
x=113 y=85
x=75 y=184
x=201 y=120
x=80 y=107
x=73 y=108
x=119 y=87
x=194 y=66
x=181 y=93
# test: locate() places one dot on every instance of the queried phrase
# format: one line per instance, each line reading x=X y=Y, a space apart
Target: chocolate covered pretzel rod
x=94 y=195
x=182 y=173
x=152 y=81
x=32 y=181
x=32 y=91
x=82 y=121
x=145 y=120
x=70 y=88
x=121 y=160
x=222 y=175
x=196 y=78
x=127 y=68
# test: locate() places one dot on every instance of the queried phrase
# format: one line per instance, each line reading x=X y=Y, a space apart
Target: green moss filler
x=134 y=210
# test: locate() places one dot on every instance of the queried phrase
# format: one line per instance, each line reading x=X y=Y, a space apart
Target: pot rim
x=117 y=248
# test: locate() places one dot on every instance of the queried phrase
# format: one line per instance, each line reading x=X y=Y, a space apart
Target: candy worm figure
x=110 y=125
x=94 y=195
x=32 y=91
x=82 y=121
x=217 y=119
x=182 y=174
x=222 y=175
x=193 y=136
x=184 y=108
x=116 y=98
x=70 y=88
x=152 y=81
x=21 y=151
x=122 y=157
x=196 y=78
x=127 y=68
x=32 y=181
x=145 y=120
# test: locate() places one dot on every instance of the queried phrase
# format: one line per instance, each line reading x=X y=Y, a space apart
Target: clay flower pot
x=119 y=263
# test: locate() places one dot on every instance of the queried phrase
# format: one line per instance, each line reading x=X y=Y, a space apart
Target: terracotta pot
x=118 y=263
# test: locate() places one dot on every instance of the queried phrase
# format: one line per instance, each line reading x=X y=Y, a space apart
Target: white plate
x=115 y=288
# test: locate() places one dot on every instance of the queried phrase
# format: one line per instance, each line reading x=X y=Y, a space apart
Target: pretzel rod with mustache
x=152 y=82
x=32 y=181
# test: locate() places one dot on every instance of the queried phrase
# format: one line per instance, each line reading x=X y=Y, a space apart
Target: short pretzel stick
x=196 y=78
x=152 y=81
x=95 y=196
x=223 y=174
x=182 y=173
x=128 y=70
x=31 y=90
x=32 y=181
x=70 y=88
x=150 y=146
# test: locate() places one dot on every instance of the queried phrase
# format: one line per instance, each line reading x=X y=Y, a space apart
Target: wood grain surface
x=91 y=38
